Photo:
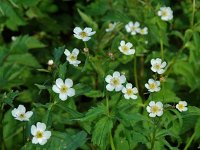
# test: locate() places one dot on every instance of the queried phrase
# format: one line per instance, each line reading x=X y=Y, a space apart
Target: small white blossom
x=40 y=135
x=115 y=82
x=21 y=114
x=125 y=48
x=132 y=28
x=152 y=85
x=165 y=13
x=130 y=91
x=158 y=66
x=83 y=34
x=50 y=62
x=143 y=31
x=111 y=27
x=64 y=90
x=72 y=57
x=155 y=109
x=182 y=106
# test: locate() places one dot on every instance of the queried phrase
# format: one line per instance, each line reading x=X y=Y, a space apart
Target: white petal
x=151 y=81
x=135 y=90
x=68 y=82
x=122 y=43
x=126 y=96
x=109 y=87
x=21 y=108
x=71 y=92
x=77 y=36
x=34 y=140
x=67 y=52
x=159 y=104
x=148 y=109
x=163 y=64
x=124 y=90
x=118 y=88
x=152 y=115
x=59 y=82
x=152 y=103
x=159 y=113
x=86 y=39
x=129 y=85
x=87 y=30
x=122 y=79
x=63 y=96
x=75 y=51
x=185 y=109
x=116 y=74
x=77 y=30
x=129 y=45
x=14 y=112
x=108 y=78
x=55 y=89
x=47 y=134
x=184 y=103
x=147 y=86
x=161 y=71
x=28 y=114
x=134 y=96
x=43 y=141
x=91 y=33
x=41 y=126
x=33 y=130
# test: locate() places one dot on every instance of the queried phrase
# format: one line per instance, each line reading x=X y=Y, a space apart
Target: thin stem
x=111 y=142
x=135 y=72
x=85 y=45
x=24 y=133
x=161 y=49
x=193 y=12
x=107 y=104
x=190 y=141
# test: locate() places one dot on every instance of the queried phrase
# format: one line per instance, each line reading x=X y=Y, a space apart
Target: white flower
x=182 y=106
x=166 y=13
x=50 y=62
x=83 y=34
x=130 y=91
x=143 y=31
x=72 y=57
x=152 y=85
x=132 y=28
x=39 y=134
x=125 y=48
x=115 y=82
x=111 y=27
x=155 y=109
x=158 y=66
x=64 y=89
x=21 y=114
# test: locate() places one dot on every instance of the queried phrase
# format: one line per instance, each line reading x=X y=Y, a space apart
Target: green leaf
x=102 y=129
x=94 y=94
x=58 y=52
x=94 y=113
x=9 y=97
x=81 y=89
x=88 y=20
x=24 y=59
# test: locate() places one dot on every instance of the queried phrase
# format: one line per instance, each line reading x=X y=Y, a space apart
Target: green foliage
x=36 y=31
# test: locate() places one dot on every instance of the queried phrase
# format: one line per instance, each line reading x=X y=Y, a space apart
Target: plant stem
x=193 y=12
x=111 y=142
x=161 y=48
x=190 y=141
x=24 y=133
x=135 y=72
x=107 y=105
x=153 y=138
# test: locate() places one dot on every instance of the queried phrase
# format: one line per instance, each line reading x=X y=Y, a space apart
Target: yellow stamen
x=129 y=91
x=83 y=34
x=181 y=106
x=154 y=109
x=125 y=48
x=63 y=89
x=115 y=81
x=39 y=134
x=152 y=85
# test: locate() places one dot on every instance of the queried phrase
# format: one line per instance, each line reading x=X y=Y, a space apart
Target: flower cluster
x=134 y=28
x=40 y=135
x=156 y=108
x=116 y=81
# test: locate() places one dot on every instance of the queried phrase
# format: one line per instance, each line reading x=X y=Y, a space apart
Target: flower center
x=115 y=82
x=180 y=106
x=152 y=85
x=72 y=57
x=63 y=89
x=110 y=26
x=154 y=109
x=125 y=48
x=39 y=134
x=21 y=116
x=157 y=66
x=83 y=34
x=133 y=28
x=129 y=91
x=164 y=13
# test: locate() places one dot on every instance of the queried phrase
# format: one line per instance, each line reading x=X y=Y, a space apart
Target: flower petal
x=77 y=30
x=108 y=78
x=71 y=92
x=63 y=96
x=41 y=126
x=75 y=51
x=68 y=82
x=47 y=134
x=109 y=87
x=55 y=89
x=59 y=82
x=33 y=130
x=67 y=52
